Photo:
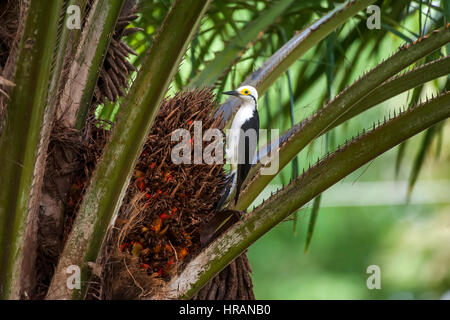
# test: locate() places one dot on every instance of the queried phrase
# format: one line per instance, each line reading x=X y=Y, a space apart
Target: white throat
x=244 y=113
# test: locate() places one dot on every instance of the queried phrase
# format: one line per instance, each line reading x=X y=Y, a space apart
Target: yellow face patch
x=245 y=92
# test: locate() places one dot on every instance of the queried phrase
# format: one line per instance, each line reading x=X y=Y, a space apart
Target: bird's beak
x=231 y=93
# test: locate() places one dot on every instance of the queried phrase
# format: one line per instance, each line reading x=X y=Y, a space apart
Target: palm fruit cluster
x=167 y=204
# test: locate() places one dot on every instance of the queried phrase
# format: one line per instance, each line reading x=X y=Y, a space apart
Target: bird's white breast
x=244 y=113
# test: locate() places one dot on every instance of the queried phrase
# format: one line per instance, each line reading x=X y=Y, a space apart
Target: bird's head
x=245 y=93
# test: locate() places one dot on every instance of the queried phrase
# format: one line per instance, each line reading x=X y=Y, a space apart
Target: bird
x=242 y=141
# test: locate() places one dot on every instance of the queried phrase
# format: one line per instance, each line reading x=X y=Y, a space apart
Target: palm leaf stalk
x=84 y=71
x=415 y=96
x=31 y=234
x=398 y=84
x=21 y=136
x=396 y=63
x=110 y=180
x=384 y=73
x=328 y=171
x=328 y=116
x=234 y=48
x=301 y=43
x=330 y=42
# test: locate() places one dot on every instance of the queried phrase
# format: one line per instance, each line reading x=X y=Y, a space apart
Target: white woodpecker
x=242 y=142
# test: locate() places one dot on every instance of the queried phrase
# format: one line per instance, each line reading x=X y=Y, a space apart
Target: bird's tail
x=222 y=219
x=229 y=186
x=218 y=224
x=236 y=195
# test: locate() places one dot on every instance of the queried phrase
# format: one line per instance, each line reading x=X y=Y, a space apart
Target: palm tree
x=57 y=81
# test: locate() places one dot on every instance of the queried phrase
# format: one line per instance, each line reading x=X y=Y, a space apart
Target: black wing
x=250 y=148
x=226 y=191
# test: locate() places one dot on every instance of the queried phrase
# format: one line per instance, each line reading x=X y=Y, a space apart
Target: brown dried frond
x=9 y=15
x=114 y=76
x=71 y=161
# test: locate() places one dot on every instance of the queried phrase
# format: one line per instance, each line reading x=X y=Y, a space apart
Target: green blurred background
x=409 y=242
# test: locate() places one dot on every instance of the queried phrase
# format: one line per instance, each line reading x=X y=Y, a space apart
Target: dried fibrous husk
x=115 y=74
